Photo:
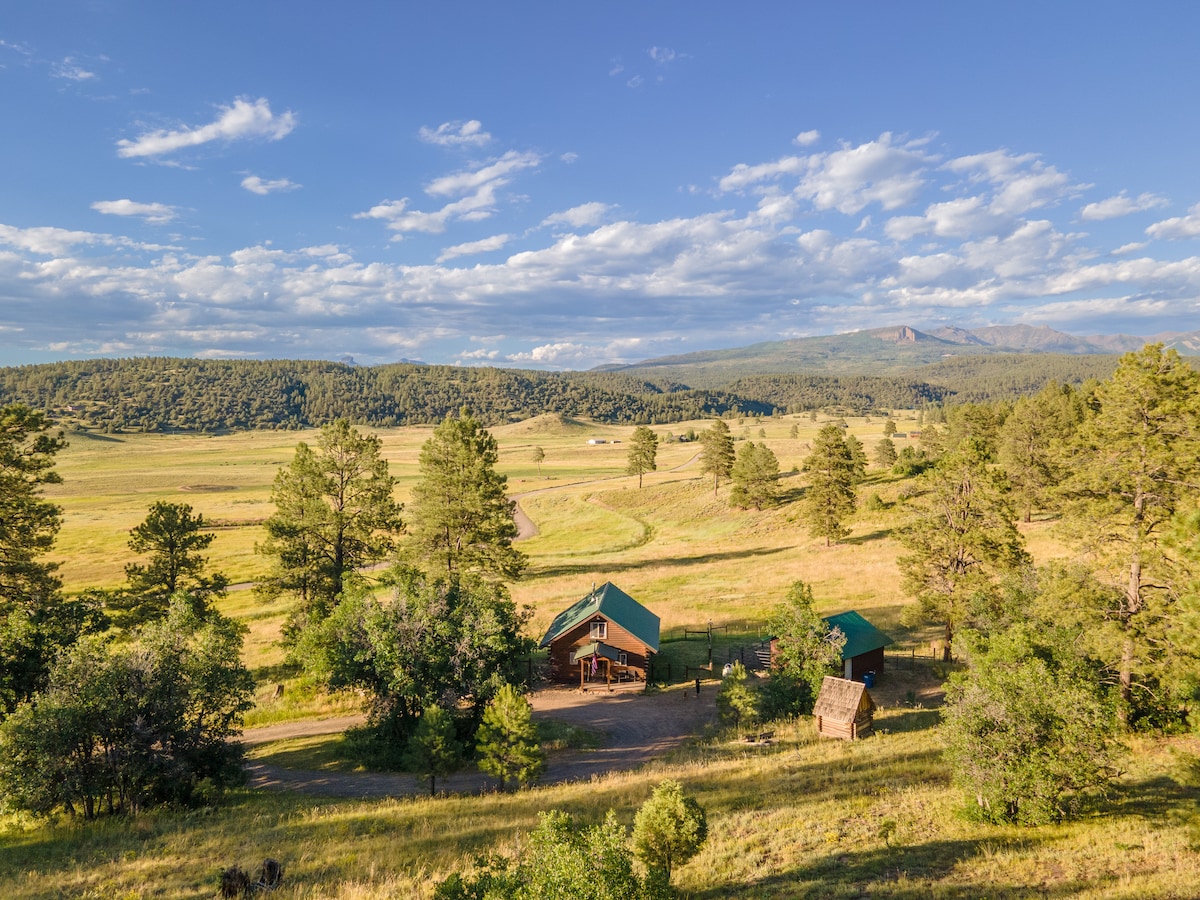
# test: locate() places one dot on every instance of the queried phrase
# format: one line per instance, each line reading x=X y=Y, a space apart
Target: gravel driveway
x=637 y=729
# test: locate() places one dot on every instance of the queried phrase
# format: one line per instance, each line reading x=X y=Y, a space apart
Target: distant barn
x=844 y=709
x=606 y=635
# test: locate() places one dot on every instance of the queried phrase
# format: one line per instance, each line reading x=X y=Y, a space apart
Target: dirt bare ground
x=637 y=728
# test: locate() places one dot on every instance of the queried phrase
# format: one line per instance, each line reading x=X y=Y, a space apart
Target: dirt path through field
x=526 y=528
x=637 y=729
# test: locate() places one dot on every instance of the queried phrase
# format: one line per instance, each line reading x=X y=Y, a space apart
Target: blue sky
x=560 y=185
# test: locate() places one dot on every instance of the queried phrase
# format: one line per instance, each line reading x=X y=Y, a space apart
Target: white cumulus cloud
x=1120 y=205
x=582 y=216
x=243 y=119
x=154 y=213
x=456 y=134
x=256 y=185
x=806 y=138
x=1178 y=228
x=486 y=245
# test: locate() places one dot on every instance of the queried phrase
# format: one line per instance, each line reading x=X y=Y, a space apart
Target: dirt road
x=637 y=729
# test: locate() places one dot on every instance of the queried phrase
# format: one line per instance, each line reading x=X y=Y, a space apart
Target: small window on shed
x=622 y=659
x=599 y=631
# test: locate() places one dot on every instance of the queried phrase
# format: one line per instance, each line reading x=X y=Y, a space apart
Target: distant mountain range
x=893 y=350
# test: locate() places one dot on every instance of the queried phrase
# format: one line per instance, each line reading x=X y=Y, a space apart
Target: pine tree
x=717 y=453
x=174 y=538
x=642 y=453
x=506 y=742
x=738 y=703
x=755 y=476
x=334 y=514
x=1134 y=463
x=885 y=453
x=461 y=520
x=433 y=750
x=962 y=540
x=35 y=620
x=669 y=829
x=833 y=471
x=1030 y=441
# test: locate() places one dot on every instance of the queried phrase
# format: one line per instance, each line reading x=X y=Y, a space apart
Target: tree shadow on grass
x=878 y=534
x=590 y=568
x=893 y=872
x=1158 y=798
x=909 y=721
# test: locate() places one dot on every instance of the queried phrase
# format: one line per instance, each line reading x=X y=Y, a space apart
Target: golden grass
x=803 y=818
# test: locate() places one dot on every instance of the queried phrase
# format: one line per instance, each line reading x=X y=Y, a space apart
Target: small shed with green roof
x=606 y=635
x=863 y=652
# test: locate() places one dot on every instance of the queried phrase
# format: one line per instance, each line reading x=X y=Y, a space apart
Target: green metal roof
x=616 y=606
x=861 y=635
x=598 y=648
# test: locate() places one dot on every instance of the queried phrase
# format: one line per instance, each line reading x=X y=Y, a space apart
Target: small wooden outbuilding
x=844 y=709
x=863 y=651
x=606 y=634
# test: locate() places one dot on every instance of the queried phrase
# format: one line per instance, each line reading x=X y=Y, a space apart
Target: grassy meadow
x=802 y=817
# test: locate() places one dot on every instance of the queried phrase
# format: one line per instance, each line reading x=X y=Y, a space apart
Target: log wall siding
x=561 y=648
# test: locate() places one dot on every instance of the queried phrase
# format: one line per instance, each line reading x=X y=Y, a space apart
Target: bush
x=122 y=729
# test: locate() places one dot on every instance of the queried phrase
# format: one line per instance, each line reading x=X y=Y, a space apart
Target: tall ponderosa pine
x=334 y=514
x=1029 y=446
x=35 y=620
x=1134 y=463
x=461 y=520
x=962 y=540
x=717 y=454
x=833 y=469
x=643 y=453
x=885 y=453
x=755 y=476
x=174 y=538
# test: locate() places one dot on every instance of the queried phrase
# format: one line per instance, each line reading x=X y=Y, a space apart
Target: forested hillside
x=164 y=394
x=158 y=394
x=980 y=379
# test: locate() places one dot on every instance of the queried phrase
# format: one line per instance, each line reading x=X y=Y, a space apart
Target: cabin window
x=599 y=631
x=622 y=659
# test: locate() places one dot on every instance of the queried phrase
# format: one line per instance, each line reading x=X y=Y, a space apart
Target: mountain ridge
x=893 y=348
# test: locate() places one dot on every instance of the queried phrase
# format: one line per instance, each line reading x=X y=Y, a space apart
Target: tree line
x=156 y=394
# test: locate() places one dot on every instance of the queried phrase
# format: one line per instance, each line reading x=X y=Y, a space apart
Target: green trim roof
x=616 y=606
x=599 y=648
x=861 y=636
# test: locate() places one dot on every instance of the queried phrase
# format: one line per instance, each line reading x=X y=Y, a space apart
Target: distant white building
x=597 y=441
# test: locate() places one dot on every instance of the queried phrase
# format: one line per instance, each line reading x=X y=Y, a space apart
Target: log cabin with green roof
x=606 y=636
